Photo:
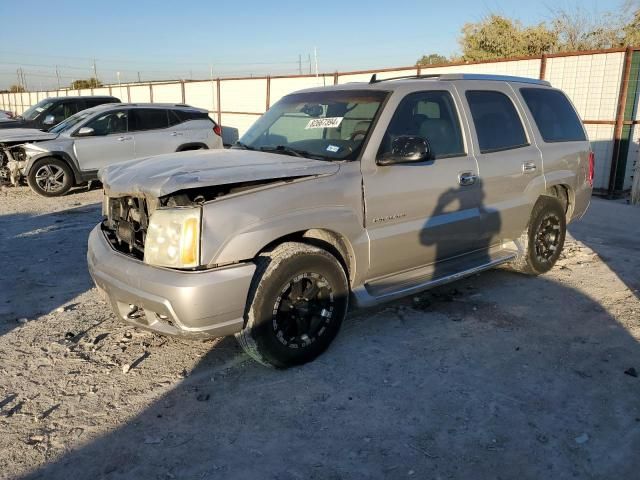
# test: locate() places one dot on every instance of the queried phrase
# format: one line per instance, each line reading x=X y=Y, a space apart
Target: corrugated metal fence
x=604 y=86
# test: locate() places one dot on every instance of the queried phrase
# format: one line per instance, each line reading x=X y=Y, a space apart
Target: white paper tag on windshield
x=329 y=122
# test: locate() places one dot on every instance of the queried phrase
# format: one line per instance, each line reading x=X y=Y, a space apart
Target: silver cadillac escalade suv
x=351 y=194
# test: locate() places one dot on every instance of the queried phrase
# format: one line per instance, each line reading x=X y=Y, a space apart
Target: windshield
x=70 y=122
x=330 y=125
x=32 y=113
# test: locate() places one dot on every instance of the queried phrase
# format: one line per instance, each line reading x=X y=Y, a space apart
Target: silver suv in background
x=360 y=193
x=73 y=151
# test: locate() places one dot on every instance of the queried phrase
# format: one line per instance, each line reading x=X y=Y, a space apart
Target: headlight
x=173 y=238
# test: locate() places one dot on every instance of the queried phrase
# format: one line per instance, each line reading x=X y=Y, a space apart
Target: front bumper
x=207 y=303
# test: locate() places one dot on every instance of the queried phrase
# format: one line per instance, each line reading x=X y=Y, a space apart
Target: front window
x=33 y=112
x=109 y=123
x=329 y=125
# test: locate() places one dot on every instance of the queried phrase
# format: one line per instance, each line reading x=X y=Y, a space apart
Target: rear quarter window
x=555 y=117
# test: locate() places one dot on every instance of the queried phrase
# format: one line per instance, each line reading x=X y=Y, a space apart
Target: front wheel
x=50 y=177
x=543 y=240
x=296 y=305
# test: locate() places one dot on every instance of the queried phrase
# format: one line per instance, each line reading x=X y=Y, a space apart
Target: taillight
x=217 y=129
x=592 y=159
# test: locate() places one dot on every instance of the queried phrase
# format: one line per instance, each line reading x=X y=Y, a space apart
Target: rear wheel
x=543 y=240
x=297 y=303
x=50 y=177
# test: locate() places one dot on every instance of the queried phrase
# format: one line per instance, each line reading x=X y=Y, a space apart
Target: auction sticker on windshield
x=329 y=122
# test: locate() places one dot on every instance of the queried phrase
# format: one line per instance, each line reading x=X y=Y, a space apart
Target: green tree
x=16 y=89
x=87 y=83
x=500 y=37
x=432 y=59
x=631 y=31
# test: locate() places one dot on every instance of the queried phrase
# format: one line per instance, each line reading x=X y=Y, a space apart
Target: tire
x=283 y=327
x=543 y=239
x=50 y=177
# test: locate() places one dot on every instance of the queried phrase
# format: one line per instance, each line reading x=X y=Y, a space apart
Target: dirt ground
x=496 y=376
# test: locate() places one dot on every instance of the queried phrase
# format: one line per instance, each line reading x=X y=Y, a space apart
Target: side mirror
x=49 y=120
x=85 y=132
x=407 y=149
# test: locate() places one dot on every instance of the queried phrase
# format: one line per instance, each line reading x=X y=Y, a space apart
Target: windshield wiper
x=292 y=151
x=244 y=146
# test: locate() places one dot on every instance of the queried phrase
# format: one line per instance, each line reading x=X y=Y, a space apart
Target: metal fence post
x=543 y=66
x=268 y=93
x=617 y=132
x=218 y=102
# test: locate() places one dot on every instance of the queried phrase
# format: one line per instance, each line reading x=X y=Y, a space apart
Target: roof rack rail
x=374 y=78
x=466 y=76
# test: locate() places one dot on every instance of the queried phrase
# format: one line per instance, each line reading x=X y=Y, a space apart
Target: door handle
x=175 y=134
x=123 y=139
x=529 y=167
x=467 y=178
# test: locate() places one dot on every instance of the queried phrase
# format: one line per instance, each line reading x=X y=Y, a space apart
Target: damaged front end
x=13 y=160
x=127 y=218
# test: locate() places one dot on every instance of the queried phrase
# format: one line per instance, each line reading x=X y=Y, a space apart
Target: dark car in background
x=51 y=111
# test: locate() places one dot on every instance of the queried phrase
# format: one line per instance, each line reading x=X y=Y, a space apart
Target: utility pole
x=315 y=56
x=95 y=70
x=58 y=77
x=22 y=81
x=139 y=81
x=309 y=59
x=300 y=63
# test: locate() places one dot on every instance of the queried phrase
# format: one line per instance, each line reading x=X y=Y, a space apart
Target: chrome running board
x=413 y=281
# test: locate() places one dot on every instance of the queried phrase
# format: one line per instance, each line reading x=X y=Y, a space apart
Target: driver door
x=109 y=143
x=423 y=212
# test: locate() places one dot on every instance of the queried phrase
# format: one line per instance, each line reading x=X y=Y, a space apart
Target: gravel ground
x=495 y=376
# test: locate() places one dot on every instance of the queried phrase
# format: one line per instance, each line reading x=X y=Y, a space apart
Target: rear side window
x=497 y=122
x=554 y=115
x=148 y=119
x=180 y=116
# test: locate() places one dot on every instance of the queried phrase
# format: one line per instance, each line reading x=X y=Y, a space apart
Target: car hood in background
x=25 y=135
x=165 y=174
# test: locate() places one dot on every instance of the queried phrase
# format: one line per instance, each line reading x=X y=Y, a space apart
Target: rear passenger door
x=559 y=131
x=150 y=130
x=509 y=162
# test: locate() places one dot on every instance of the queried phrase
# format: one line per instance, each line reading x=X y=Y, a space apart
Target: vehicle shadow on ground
x=602 y=230
x=43 y=261
x=468 y=383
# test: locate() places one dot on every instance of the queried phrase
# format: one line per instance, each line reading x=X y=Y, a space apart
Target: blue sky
x=182 y=39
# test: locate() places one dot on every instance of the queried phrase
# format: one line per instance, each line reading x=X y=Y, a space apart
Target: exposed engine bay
x=12 y=162
x=127 y=218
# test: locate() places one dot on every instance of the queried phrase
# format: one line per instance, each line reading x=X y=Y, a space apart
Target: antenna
x=374 y=78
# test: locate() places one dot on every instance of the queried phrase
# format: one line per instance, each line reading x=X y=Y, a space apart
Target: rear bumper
x=208 y=303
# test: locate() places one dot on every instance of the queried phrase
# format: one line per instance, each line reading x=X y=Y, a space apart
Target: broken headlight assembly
x=173 y=238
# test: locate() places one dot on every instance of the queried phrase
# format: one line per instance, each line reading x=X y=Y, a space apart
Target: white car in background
x=73 y=151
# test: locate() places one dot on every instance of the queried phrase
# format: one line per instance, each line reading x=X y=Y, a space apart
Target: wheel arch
x=192 y=146
x=565 y=194
x=333 y=242
x=63 y=156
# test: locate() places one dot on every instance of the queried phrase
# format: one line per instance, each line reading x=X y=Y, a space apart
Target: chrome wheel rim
x=303 y=310
x=50 y=178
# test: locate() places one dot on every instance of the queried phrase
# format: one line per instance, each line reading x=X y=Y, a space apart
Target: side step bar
x=423 y=278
